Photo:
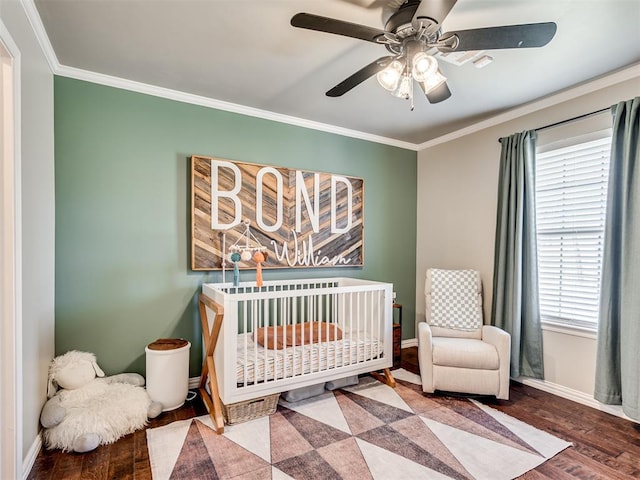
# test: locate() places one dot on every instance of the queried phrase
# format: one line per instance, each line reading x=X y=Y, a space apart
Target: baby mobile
x=244 y=252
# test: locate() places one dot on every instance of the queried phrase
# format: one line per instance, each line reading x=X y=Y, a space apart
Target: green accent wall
x=123 y=214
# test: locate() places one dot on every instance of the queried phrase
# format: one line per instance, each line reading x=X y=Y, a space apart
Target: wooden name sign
x=302 y=219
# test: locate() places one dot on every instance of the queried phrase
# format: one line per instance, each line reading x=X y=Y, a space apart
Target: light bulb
x=404 y=89
x=390 y=76
x=433 y=81
x=423 y=66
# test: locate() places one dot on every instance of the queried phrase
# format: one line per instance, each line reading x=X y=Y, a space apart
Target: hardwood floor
x=604 y=446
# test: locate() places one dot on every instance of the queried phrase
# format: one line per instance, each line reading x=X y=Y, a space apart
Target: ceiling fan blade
x=432 y=13
x=337 y=27
x=493 y=38
x=439 y=94
x=359 y=77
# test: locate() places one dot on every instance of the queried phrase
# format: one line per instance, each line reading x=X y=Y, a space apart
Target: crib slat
x=243 y=307
x=334 y=315
x=358 y=330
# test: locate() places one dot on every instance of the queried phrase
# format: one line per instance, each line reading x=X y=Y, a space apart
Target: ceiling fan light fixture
x=405 y=88
x=423 y=66
x=390 y=77
x=413 y=34
x=433 y=81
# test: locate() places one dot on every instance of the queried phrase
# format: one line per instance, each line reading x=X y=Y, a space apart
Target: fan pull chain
x=411 y=96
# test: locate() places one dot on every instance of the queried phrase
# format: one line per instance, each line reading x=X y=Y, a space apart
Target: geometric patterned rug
x=368 y=431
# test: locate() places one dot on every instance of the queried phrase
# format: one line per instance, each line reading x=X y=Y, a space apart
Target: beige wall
x=37 y=151
x=570 y=359
x=457 y=190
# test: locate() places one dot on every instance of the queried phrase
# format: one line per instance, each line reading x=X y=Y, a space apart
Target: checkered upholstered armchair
x=456 y=352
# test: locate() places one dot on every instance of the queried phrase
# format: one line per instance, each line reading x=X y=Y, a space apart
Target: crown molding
x=34 y=19
x=139 y=87
x=619 y=76
x=117 y=82
x=179 y=96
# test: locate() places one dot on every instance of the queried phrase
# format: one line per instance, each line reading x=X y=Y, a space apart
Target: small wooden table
x=397 y=337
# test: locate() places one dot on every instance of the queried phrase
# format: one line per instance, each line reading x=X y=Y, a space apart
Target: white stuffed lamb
x=89 y=411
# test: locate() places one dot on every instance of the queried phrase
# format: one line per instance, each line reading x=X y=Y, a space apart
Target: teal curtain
x=618 y=351
x=515 y=306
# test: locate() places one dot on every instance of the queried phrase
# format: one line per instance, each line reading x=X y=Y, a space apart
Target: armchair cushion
x=464 y=353
x=455 y=299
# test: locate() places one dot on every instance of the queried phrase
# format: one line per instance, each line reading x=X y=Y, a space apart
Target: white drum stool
x=167 y=361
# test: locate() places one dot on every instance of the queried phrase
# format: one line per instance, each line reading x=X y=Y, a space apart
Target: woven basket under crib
x=250 y=409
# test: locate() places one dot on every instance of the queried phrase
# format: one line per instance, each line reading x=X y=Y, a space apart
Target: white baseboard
x=556 y=389
x=409 y=342
x=574 y=395
x=549 y=387
x=30 y=458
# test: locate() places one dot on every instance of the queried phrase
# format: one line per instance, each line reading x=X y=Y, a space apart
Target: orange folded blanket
x=299 y=334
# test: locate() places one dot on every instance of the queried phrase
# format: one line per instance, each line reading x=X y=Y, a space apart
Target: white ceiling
x=246 y=52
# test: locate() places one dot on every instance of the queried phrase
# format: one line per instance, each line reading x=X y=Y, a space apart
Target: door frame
x=10 y=260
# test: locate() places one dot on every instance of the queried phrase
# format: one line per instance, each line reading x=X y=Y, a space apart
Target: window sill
x=570 y=330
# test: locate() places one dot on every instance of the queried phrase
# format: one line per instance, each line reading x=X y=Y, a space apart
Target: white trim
x=11 y=283
x=108 y=80
x=549 y=387
x=409 y=342
x=556 y=389
x=178 y=96
x=31 y=456
x=33 y=16
x=569 y=330
x=574 y=395
x=101 y=79
x=619 y=76
x=194 y=383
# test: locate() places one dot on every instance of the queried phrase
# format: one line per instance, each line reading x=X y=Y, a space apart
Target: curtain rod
x=579 y=117
x=569 y=120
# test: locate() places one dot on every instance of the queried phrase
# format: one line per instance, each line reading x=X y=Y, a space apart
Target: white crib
x=290 y=334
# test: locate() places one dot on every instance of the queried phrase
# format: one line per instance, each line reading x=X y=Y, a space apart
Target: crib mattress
x=257 y=364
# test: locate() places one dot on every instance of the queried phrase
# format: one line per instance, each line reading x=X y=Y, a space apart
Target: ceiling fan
x=413 y=35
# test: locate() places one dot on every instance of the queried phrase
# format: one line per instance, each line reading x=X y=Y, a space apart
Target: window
x=571 y=194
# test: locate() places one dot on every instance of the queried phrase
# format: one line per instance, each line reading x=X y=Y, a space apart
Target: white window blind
x=571 y=194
